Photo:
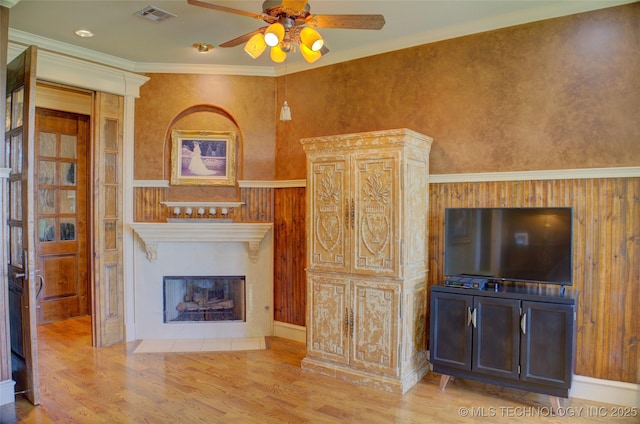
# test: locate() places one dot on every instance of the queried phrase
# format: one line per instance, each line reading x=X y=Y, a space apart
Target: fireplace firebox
x=204 y=298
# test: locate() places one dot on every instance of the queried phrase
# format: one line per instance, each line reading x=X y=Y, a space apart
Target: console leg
x=444 y=379
x=555 y=404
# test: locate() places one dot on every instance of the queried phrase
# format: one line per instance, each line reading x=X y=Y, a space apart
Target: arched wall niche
x=204 y=117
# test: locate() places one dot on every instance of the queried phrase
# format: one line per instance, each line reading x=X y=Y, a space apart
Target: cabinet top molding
x=398 y=137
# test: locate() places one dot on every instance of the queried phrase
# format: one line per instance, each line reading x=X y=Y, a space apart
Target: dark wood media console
x=518 y=335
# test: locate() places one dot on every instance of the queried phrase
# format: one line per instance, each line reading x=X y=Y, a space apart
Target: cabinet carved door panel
x=331 y=207
x=375 y=327
x=329 y=330
x=376 y=191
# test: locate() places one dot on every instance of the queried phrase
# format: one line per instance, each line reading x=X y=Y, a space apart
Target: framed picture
x=203 y=158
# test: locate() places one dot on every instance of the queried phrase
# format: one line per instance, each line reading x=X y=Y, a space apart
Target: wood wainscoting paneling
x=289 y=280
x=258 y=205
x=606 y=265
x=285 y=207
x=147 y=204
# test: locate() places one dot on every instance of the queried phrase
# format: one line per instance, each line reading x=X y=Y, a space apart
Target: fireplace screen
x=201 y=298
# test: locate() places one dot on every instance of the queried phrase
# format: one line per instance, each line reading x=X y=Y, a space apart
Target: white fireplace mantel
x=152 y=233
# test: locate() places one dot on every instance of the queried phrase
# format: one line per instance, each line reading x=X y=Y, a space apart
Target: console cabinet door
x=450 y=335
x=328 y=331
x=547 y=343
x=374 y=342
x=496 y=337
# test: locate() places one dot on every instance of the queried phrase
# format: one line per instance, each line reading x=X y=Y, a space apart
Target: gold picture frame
x=203 y=158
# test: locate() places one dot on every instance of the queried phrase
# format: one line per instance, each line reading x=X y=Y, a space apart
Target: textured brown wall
x=555 y=94
x=246 y=100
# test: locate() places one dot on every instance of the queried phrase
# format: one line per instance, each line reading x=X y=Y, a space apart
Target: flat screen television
x=510 y=244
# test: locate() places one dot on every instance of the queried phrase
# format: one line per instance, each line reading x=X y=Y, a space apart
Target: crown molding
x=9 y=4
x=80 y=73
x=177 y=68
x=25 y=39
x=20 y=40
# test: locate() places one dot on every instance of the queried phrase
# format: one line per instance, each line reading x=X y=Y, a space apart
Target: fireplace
x=204 y=298
x=200 y=250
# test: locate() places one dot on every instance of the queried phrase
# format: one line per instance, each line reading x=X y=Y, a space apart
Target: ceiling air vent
x=155 y=14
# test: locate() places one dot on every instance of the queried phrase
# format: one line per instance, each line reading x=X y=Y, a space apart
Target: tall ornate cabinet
x=367 y=205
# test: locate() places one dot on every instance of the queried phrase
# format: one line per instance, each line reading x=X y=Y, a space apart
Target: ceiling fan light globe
x=274 y=34
x=309 y=55
x=278 y=55
x=311 y=38
x=255 y=46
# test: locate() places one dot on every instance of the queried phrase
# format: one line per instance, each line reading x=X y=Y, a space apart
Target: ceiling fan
x=291 y=26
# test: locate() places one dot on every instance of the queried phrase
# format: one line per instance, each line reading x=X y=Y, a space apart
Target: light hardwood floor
x=80 y=384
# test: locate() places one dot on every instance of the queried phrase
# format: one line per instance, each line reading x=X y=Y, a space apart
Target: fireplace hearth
x=204 y=298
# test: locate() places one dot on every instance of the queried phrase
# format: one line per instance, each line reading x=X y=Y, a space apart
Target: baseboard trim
x=607 y=391
x=587 y=388
x=7 y=394
x=290 y=331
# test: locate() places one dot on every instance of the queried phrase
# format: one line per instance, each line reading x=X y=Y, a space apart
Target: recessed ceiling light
x=84 y=33
x=203 y=47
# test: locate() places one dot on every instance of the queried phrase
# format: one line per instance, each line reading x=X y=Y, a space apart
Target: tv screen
x=509 y=244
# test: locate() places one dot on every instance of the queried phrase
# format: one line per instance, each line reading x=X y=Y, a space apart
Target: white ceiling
x=124 y=40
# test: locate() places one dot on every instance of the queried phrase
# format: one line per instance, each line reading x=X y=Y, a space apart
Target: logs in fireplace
x=204 y=298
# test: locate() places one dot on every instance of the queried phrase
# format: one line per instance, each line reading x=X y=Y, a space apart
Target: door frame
x=71 y=72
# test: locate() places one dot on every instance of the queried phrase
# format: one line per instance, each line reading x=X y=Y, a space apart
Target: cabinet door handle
x=523 y=323
x=351 y=323
x=346 y=319
x=353 y=214
x=346 y=213
x=473 y=317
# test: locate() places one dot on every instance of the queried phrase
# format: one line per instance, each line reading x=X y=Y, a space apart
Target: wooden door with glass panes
x=21 y=274
x=61 y=215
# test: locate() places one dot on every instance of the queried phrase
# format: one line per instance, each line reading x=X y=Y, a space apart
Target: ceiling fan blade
x=198 y=3
x=242 y=39
x=346 y=21
x=295 y=5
